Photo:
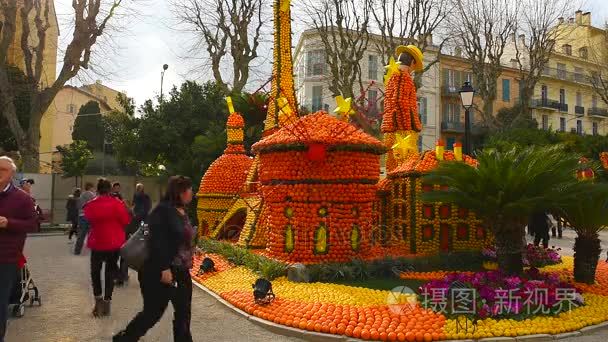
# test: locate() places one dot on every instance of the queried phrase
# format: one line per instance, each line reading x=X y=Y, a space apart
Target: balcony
x=452 y=127
x=579 y=110
x=598 y=112
x=565 y=75
x=450 y=91
x=549 y=104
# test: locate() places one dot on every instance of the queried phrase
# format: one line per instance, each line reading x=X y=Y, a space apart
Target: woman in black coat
x=166 y=273
x=72 y=212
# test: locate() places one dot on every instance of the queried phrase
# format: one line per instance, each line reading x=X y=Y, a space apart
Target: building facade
x=16 y=57
x=455 y=70
x=564 y=99
x=67 y=105
x=312 y=83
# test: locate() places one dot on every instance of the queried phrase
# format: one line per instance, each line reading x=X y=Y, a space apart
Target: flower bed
x=378 y=315
x=533 y=256
x=494 y=294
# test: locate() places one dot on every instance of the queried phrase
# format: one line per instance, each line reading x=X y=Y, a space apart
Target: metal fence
x=51 y=191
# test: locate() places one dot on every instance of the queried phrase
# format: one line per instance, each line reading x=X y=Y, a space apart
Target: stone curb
x=321 y=337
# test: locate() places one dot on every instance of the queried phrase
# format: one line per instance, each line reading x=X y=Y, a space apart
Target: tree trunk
x=30 y=155
x=587 y=251
x=509 y=247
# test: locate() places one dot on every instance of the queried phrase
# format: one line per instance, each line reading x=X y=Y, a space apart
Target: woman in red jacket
x=108 y=217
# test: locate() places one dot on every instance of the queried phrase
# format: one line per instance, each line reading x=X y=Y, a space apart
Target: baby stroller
x=25 y=290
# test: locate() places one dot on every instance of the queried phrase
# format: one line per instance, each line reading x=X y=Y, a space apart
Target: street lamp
x=466 y=96
x=162 y=77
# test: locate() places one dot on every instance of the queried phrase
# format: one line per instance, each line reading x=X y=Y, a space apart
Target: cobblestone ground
x=65 y=316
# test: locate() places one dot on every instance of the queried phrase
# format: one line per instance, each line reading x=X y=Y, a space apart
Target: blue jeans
x=8 y=277
x=83 y=230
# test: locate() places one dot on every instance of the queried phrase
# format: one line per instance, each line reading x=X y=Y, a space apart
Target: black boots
x=102 y=307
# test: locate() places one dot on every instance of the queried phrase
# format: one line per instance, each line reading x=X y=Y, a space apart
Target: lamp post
x=162 y=78
x=466 y=96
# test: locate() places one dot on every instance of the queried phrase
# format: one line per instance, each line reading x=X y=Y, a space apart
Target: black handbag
x=135 y=251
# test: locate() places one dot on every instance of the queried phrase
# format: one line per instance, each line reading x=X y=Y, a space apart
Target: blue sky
x=151 y=41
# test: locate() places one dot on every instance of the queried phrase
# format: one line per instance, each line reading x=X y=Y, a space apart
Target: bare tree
x=483 y=29
x=402 y=22
x=599 y=77
x=24 y=27
x=343 y=27
x=227 y=30
x=538 y=28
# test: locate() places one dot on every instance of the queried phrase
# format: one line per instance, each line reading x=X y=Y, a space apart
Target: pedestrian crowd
x=102 y=220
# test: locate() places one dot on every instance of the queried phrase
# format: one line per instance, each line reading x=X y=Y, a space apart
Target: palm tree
x=505 y=188
x=587 y=215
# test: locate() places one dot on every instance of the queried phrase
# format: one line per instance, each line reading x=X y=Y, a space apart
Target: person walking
x=538 y=222
x=141 y=208
x=17 y=218
x=116 y=191
x=107 y=216
x=166 y=273
x=83 y=224
x=72 y=212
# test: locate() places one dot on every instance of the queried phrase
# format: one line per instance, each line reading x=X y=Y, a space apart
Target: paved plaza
x=65 y=314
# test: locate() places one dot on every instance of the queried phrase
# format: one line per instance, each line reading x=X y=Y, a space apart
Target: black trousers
x=98 y=259
x=74 y=229
x=541 y=236
x=8 y=275
x=156 y=299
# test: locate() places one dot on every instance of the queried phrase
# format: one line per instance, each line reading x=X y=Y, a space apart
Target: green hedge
x=356 y=269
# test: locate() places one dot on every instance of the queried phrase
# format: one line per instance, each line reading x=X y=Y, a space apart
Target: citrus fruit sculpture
x=313 y=194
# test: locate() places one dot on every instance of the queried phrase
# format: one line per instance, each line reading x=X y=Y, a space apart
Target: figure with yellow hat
x=400 y=117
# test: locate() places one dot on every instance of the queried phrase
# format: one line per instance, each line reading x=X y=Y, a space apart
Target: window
x=450 y=143
x=544 y=92
x=561 y=71
x=422 y=110
x=594 y=101
x=372 y=67
x=595 y=132
x=562 y=96
x=506 y=90
x=451 y=112
x=579 y=127
x=317 y=98
x=545 y=122
x=579 y=99
x=315 y=63
x=71 y=108
x=583 y=52
x=562 y=124
x=372 y=100
x=567 y=49
x=579 y=74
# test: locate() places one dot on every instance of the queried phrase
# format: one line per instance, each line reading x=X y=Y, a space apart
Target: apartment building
x=455 y=70
x=564 y=99
x=68 y=102
x=312 y=91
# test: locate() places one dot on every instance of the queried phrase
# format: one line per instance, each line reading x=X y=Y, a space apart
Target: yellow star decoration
x=284 y=5
x=391 y=69
x=230 y=105
x=284 y=109
x=402 y=145
x=344 y=108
